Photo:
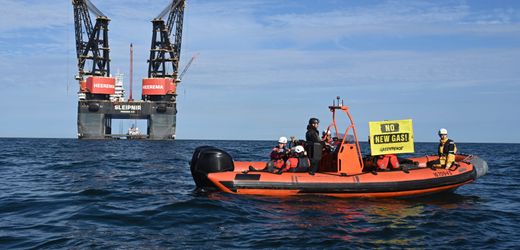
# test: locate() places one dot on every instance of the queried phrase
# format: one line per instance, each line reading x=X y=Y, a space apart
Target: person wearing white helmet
x=326 y=136
x=278 y=155
x=299 y=149
x=297 y=161
x=447 y=150
x=328 y=142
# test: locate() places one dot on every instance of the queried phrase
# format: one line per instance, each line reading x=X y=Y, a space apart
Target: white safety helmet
x=282 y=139
x=443 y=131
x=299 y=149
x=326 y=132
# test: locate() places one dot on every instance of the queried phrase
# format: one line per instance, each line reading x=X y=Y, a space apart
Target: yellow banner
x=391 y=137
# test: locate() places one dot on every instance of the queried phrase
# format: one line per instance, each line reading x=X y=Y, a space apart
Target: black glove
x=279 y=171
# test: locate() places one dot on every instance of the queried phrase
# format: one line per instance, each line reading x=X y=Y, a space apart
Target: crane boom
x=92 y=48
x=166 y=42
x=188 y=66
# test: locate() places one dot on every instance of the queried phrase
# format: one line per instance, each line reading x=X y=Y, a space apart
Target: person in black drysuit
x=313 y=144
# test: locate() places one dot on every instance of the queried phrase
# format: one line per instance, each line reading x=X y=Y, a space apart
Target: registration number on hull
x=442 y=173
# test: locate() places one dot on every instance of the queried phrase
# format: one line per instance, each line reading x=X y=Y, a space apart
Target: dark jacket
x=279 y=153
x=313 y=145
x=312 y=135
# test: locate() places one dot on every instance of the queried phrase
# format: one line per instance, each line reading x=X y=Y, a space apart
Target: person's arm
x=274 y=154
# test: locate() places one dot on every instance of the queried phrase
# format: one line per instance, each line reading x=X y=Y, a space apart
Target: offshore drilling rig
x=98 y=103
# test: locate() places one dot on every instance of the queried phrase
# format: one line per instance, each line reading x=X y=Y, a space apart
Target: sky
x=265 y=67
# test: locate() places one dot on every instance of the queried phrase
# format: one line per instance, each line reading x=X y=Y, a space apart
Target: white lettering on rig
x=127 y=107
x=153 y=87
x=104 y=86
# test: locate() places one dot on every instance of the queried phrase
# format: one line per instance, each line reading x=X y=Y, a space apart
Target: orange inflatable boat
x=342 y=172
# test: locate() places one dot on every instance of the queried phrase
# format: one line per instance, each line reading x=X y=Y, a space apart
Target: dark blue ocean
x=119 y=194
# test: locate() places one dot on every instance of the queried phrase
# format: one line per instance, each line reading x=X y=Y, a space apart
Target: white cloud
x=394 y=18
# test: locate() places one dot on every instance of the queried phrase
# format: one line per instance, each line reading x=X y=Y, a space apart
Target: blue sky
x=265 y=67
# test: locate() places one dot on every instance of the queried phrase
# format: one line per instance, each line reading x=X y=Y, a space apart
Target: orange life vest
x=382 y=162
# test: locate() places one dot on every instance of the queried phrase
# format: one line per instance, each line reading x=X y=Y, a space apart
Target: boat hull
x=214 y=168
x=414 y=182
x=410 y=182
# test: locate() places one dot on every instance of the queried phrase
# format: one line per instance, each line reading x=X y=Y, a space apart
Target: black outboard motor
x=208 y=159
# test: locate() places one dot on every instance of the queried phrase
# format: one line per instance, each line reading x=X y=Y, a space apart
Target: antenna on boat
x=336 y=103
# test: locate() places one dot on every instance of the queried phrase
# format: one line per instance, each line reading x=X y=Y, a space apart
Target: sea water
x=120 y=194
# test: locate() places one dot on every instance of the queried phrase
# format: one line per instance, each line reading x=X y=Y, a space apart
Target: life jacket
x=280 y=163
x=447 y=147
x=383 y=162
x=447 y=151
x=297 y=164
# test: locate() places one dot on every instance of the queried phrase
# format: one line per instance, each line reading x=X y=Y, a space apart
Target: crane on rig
x=92 y=52
x=163 y=64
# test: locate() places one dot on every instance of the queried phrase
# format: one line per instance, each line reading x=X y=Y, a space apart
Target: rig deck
x=95 y=118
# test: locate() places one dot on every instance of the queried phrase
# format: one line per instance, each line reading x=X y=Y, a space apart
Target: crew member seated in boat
x=326 y=137
x=297 y=161
x=447 y=150
x=314 y=144
x=328 y=142
x=278 y=155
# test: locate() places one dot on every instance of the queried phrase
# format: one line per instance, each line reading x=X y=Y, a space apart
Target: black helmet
x=314 y=120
